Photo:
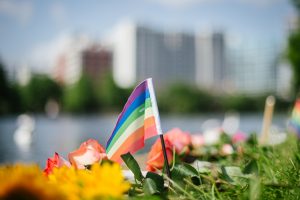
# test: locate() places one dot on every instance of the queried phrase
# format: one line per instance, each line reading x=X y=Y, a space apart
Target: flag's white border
x=154 y=106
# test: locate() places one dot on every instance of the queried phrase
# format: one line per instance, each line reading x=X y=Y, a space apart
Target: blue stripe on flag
x=136 y=103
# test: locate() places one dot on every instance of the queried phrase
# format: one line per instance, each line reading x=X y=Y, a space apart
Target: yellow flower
x=104 y=181
x=26 y=182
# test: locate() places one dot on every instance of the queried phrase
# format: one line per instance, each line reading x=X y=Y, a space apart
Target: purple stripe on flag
x=136 y=92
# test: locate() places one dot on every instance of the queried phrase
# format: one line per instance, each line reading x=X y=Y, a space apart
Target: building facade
x=141 y=52
x=204 y=60
x=82 y=56
x=211 y=72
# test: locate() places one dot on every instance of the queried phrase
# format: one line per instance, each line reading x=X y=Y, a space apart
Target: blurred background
x=68 y=67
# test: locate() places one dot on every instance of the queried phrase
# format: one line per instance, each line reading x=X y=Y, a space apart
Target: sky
x=31 y=32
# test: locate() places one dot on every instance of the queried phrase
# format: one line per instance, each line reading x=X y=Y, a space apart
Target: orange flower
x=88 y=153
x=155 y=156
x=56 y=162
x=179 y=139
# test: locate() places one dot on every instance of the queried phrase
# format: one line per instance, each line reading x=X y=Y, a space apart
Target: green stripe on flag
x=139 y=111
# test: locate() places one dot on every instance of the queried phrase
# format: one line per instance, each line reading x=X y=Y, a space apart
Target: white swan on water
x=23 y=134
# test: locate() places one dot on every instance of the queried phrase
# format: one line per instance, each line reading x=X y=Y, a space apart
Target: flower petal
x=88 y=153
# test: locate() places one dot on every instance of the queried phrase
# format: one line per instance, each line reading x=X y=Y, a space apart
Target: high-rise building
x=210 y=61
x=82 y=56
x=96 y=61
x=68 y=67
x=253 y=68
x=141 y=52
x=205 y=60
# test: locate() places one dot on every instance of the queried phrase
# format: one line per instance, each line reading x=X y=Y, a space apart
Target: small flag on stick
x=138 y=121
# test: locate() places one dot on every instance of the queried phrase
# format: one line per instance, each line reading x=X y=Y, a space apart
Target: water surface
x=65 y=133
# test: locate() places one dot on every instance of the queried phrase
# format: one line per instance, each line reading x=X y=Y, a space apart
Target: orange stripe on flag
x=133 y=143
x=150 y=127
x=136 y=140
x=149 y=122
x=150 y=132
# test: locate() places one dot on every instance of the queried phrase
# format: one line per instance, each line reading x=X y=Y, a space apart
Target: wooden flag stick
x=267 y=120
x=158 y=126
x=161 y=136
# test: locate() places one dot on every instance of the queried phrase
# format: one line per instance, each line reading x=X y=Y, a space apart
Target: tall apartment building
x=253 y=69
x=211 y=72
x=140 y=52
x=96 y=61
x=204 y=60
x=68 y=66
x=82 y=56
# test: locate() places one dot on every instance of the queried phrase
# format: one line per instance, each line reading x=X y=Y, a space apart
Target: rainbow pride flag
x=294 y=122
x=138 y=121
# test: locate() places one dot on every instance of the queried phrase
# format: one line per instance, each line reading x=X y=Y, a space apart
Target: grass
x=260 y=172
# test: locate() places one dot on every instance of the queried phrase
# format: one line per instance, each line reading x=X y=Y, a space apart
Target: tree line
x=87 y=96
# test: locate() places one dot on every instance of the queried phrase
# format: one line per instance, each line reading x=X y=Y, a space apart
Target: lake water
x=65 y=133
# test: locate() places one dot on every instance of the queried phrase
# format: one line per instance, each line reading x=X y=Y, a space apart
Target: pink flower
x=88 y=153
x=197 y=140
x=239 y=137
x=226 y=150
x=179 y=139
x=155 y=157
x=56 y=162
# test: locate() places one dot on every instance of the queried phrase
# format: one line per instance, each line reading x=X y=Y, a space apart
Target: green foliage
x=133 y=166
x=263 y=172
x=144 y=187
x=293 y=54
x=9 y=97
x=157 y=179
x=242 y=103
x=38 y=91
x=296 y=4
x=104 y=95
x=186 y=99
x=293 y=51
x=182 y=99
x=110 y=95
x=80 y=97
x=149 y=187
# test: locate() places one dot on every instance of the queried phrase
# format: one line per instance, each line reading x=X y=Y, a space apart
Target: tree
x=293 y=51
x=4 y=89
x=180 y=98
x=9 y=97
x=80 y=97
x=38 y=91
x=109 y=95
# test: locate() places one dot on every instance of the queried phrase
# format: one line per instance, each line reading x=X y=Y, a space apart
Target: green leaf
x=149 y=187
x=184 y=170
x=159 y=181
x=233 y=171
x=225 y=175
x=234 y=175
x=133 y=166
x=251 y=167
x=181 y=171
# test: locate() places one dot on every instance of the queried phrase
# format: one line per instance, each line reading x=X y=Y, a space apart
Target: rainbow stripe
x=138 y=121
x=294 y=122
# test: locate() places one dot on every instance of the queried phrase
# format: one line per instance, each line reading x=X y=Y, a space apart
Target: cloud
x=180 y=3
x=19 y=10
x=189 y=3
x=260 y=2
x=58 y=13
x=43 y=55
